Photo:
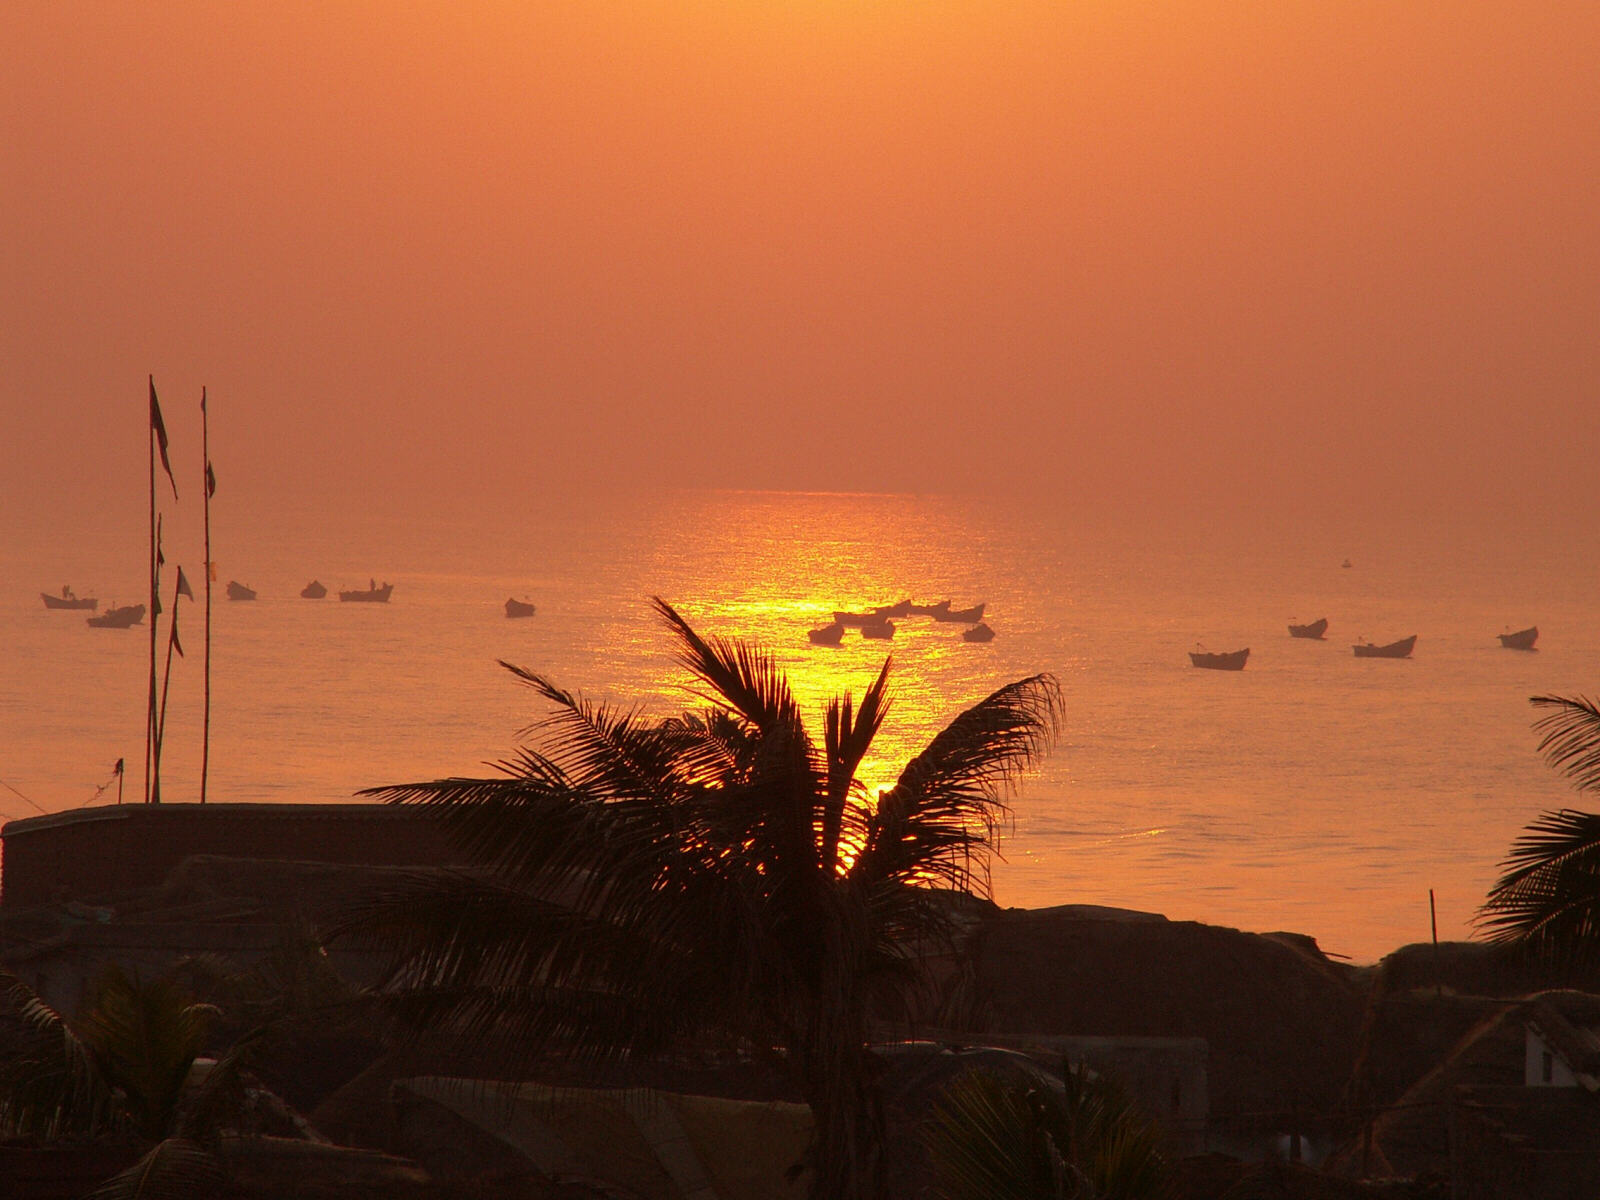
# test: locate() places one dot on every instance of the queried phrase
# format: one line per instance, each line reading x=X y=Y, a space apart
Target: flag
x=117 y=770
x=183 y=584
x=211 y=482
x=160 y=429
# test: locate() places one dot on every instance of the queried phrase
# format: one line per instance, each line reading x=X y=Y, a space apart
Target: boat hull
x=519 y=608
x=80 y=604
x=238 y=591
x=1233 y=660
x=962 y=616
x=881 y=631
x=368 y=595
x=978 y=633
x=1317 y=630
x=313 y=591
x=1400 y=649
x=1523 y=639
x=828 y=635
x=119 y=618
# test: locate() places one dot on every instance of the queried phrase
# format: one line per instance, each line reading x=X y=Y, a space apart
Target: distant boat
x=902 y=609
x=68 y=600
x=854 y=619
x=828 y=635
x=372 y=595
x=313 y=591
x=519 y=608
x=1233 y=660
x=879 y=630
x=1346 y=563
x=978 y=633
x=936 y=611
x=961 y=616
x=1400 y=649
x=1523 y=639
x=119 y=618
x=238 y=591
x=1314 y=630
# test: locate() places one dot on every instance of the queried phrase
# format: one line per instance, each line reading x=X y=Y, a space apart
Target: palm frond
x=1570 y=738
x=943 y=812
x=847 y=737
x=742 y=678
x=174 y=1169
x=1548 y=897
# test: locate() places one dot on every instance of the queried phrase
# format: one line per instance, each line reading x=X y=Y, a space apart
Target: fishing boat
x=519 y=608
x=313 y=590
x=1523 y=639
x=961 y=616
x=238 y=591
x=929 y=610
x=880 y=630
x=119 y=618
x=1400 y=649
x=1347 y=564
x=1316 y=630
x=978 y=633
x=855 y=619
x=828 y=635
x=68 y=600
x=1233 y=660
x=372 y=595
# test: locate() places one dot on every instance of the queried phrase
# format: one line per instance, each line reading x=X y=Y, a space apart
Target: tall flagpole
x=150 y=708
x=209 y=484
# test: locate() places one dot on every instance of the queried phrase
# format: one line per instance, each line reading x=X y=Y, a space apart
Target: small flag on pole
x=211 y=482
x=117 y=770
x=160 y=428
x=183 y=584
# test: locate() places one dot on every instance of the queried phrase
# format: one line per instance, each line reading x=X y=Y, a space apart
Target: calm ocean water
x=1312 y=791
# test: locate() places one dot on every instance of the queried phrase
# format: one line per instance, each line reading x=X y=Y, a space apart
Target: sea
x=1313 y=791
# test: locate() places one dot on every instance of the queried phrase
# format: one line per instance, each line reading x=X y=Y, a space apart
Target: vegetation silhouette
x=644 y=884
x=1548 y=898
x=994 y=1136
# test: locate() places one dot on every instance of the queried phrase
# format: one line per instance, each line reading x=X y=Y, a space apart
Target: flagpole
x=205 y=735
x=150 y=796
x=166 y=677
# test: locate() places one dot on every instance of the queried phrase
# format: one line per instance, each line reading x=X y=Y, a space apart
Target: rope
x=14 y=792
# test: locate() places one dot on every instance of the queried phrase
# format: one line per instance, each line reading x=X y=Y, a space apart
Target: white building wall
x=1535 y=1065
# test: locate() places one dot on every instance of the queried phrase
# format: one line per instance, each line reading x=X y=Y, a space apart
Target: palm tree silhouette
x=1548 y=898
x=644 y=883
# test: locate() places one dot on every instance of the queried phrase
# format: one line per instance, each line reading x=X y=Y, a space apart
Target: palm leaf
x=1570 y=738
x=1549 y=894
x=174 y=1169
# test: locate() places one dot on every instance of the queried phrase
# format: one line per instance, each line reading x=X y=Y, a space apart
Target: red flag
x=117 y=770
x=183 y=584
x=160 y=429
x=211 y=482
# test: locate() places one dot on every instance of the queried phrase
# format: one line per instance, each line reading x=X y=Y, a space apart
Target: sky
x=1251 y=256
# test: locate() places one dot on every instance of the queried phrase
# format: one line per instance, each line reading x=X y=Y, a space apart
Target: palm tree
x=1029 y=1137
x=644 y=883
x=1548 y=898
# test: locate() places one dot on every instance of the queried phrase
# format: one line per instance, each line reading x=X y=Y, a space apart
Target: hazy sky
x=1288 y=254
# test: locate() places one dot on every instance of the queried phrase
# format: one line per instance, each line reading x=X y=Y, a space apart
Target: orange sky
x=1304 y=256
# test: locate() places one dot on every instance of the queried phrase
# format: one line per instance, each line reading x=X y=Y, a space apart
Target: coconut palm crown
x=1548 y=898
x=645 y=882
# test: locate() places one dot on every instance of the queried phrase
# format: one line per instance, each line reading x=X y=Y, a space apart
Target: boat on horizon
x=119 y=618
x=371 y=595
x=1232 y=660
x=1523 y=639
x=978 y=633
x=519 y=608
x=68 y=600
x=1400 y=649
x=879 y=630
x=859 y=619
x=238 y=591
x=313 y=590
x=1316 y=630
x=827 y=635
x=962 y=616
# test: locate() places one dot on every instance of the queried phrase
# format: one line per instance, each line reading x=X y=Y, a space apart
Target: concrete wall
x=95 y=854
